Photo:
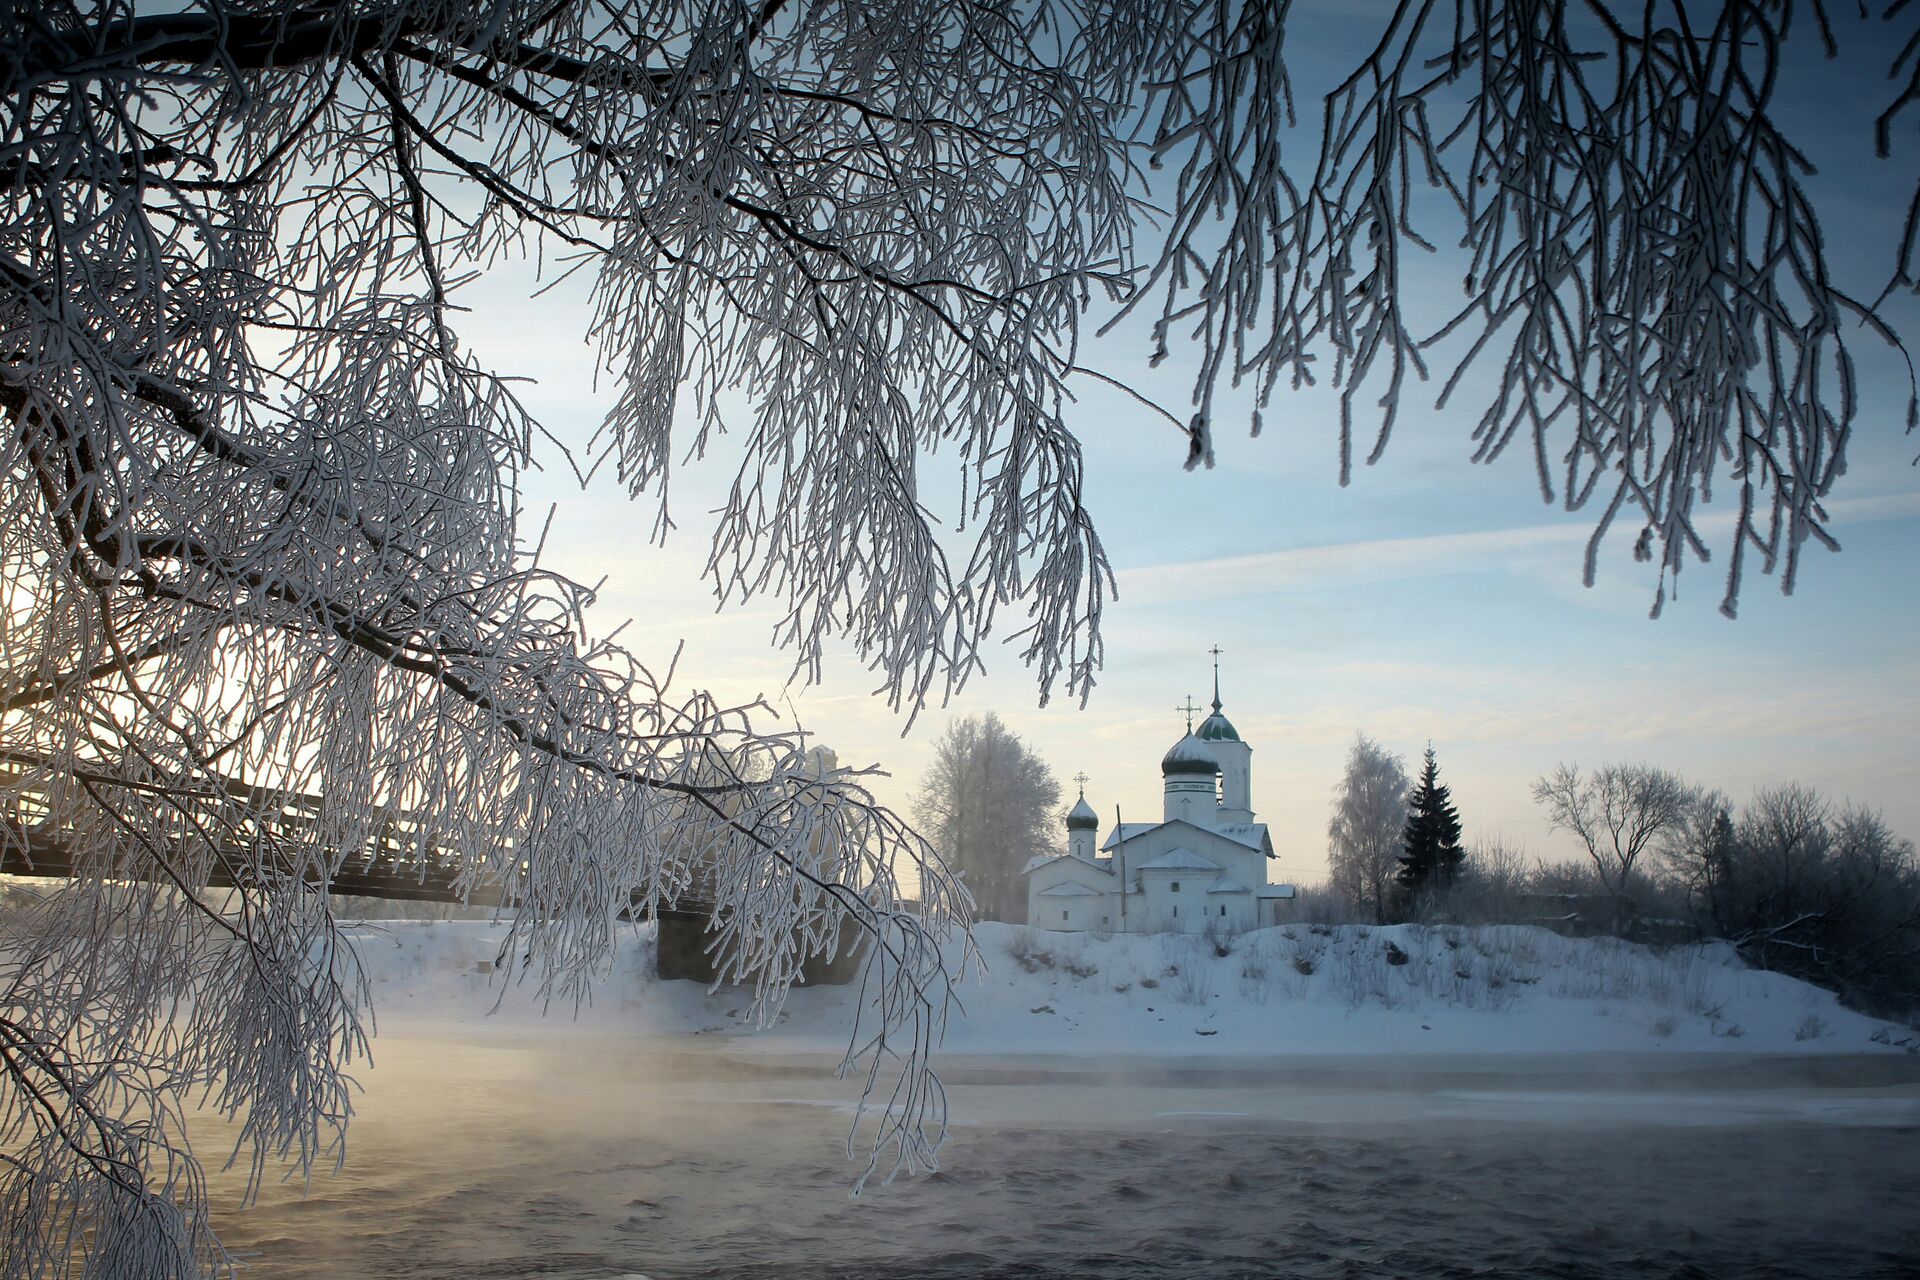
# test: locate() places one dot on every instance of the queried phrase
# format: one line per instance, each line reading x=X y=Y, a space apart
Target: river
x=594 y=1157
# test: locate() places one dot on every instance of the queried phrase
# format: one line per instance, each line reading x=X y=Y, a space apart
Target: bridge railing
x=272 y=833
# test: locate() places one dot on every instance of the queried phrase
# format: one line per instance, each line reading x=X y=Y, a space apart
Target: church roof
x=1226 y=884
x=1216 y=728
x=1274 y=891
x=1126 y=831
x=1251 y=834
x=1039 y=860
x=1082 y=815
x=1179 y=860
x=1189 y=755
x=1070 y=889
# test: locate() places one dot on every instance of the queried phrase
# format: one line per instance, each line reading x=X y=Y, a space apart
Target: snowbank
x=1288 y=991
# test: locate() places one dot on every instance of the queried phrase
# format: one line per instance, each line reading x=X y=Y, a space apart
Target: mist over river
x=568 y=1154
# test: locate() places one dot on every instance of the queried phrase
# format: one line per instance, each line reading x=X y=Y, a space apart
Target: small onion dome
x=1082 y=816
x=1216 y=728
x=1189 y=755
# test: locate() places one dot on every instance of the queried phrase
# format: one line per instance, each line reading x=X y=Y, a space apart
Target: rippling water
x=591 y=1158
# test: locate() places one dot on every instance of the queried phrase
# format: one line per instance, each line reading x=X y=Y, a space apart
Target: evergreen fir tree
x=1719 y=859
x=1433 y=853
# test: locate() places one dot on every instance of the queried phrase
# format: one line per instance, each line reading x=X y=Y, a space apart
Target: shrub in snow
x=1189 y=967
x=1027 y=952
x=1306 y=950
x=1360 y=975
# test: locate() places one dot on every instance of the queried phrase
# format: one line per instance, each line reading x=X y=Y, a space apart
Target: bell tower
x=1234 y=757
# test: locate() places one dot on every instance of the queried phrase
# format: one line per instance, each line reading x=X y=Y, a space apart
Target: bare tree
x=1364 y=834
x=260 y=539
x=1491 y=880
x=1786 y=832
x=1697 y=855
x=1618 y=812
x=988 y=804
x=1828 y=894
x=1564 y=879
x=1871 y=950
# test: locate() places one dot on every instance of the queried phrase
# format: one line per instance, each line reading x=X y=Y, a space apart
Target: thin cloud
x=1378 y=558
x=1336 y=562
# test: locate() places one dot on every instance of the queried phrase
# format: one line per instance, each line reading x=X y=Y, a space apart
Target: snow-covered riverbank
x=1289 y=991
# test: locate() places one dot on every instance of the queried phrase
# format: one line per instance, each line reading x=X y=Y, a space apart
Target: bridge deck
x=279 y=834
x=395 y=862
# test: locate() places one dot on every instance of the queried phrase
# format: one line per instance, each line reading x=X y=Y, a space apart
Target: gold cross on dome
x=1189 y=708
x=1081 y=778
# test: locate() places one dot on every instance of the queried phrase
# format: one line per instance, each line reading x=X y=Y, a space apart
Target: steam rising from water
x=592 y=1157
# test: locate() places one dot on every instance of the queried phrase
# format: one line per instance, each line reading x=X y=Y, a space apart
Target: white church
x=1202 y=867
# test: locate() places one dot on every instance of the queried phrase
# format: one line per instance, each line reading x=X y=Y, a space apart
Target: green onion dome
x=1082 y=816
x=1189 y=755
x=1216 y=728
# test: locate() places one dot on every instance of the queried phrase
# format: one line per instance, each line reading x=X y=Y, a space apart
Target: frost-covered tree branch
x=260 y=526
x=1647 y=302
x=1619 y=812
x=260 y=532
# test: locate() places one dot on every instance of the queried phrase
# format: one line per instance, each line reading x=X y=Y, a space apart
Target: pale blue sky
x=1431 y=599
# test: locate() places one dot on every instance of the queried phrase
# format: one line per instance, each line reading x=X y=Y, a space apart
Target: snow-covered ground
x=1296 y=990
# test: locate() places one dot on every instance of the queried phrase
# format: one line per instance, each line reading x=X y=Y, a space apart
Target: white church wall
x=1237 y=862
x=1075 y=915
x=1176 y=901
x=1080 y=912
x=1233 y=912
x=1159 y=908
x=1235 y=859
